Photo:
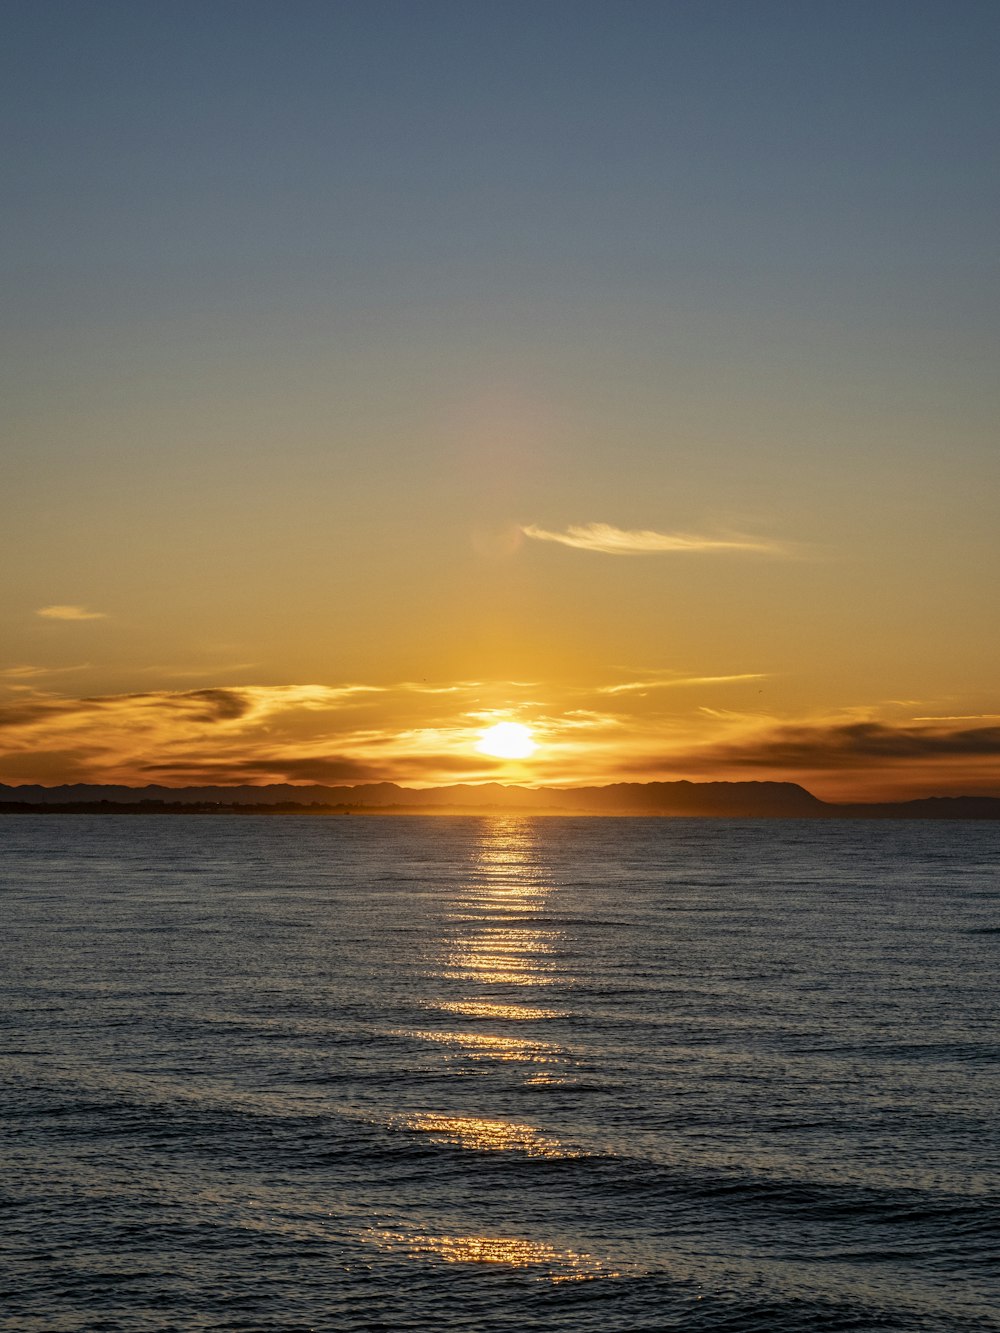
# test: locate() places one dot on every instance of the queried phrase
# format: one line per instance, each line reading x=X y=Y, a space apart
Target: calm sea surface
x=573 y=1075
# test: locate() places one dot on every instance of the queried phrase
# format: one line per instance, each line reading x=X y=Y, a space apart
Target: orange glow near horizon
x=619 y=728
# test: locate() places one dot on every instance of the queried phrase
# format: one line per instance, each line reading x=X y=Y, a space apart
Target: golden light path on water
x=492 y=1009
x=486 y=1135
x=495 y=942
x=552 y=1264
x=498 y=1047
x=500 y=945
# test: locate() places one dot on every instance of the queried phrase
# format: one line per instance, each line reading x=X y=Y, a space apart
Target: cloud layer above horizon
x=426 y=734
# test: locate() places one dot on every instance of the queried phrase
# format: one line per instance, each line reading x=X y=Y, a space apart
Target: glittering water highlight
x=476 y=1074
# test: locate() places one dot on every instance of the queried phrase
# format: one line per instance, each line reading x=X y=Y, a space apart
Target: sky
x=377 y=371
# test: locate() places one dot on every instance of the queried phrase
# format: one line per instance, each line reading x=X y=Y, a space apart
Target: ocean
x=572 y=1075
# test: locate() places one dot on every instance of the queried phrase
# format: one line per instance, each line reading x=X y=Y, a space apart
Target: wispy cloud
x=422 y=687
x=27 y=672
x=956 y=717
x=602 y=537
x=669 y=682
x=70 y=613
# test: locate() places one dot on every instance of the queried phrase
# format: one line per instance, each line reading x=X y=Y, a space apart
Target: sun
x=507 y=740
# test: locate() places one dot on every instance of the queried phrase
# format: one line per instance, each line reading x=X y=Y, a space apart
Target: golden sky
x=370 y=382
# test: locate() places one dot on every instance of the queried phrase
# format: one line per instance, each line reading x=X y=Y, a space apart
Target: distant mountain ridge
x=775 y=800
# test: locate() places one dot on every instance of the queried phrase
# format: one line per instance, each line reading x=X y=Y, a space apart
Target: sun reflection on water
x=493 y=1045
x=487 y=1135
x=498 y=949
x=553 y=1264
x=501 y=944
x=493 y=1009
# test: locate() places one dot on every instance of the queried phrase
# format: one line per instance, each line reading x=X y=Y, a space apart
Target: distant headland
x=732 y=800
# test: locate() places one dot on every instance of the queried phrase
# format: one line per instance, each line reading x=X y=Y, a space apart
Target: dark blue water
x=497 y=1074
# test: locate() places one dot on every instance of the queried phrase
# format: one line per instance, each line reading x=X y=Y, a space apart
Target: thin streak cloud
x=640 y=686
x=28 y=672
x=605 y=539
x=70 y=613
x=956 y=717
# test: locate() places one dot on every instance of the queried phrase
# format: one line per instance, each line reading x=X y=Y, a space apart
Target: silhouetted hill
x=736 y=800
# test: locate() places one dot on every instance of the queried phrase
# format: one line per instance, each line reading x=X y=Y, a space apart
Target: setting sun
x=507 y=740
